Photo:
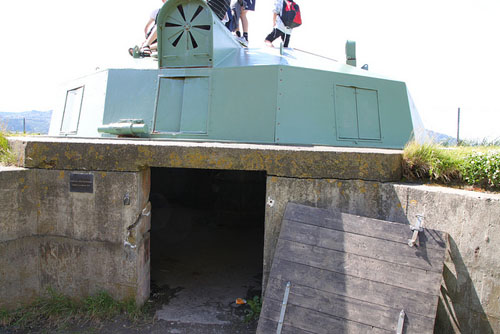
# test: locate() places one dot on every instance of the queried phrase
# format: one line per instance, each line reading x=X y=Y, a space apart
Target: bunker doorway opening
x=207 y=240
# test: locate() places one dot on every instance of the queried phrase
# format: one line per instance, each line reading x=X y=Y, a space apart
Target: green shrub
x=473 y=165
x=482 y=169
x=255 y=307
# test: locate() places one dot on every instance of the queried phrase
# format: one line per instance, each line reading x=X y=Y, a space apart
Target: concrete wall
x=76 y=243
x=470 y=292
x=80 y=243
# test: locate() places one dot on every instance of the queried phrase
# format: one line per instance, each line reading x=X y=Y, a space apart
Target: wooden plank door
x=351 y=274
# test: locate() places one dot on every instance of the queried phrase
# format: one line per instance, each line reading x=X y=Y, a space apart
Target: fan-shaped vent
x=182 y=32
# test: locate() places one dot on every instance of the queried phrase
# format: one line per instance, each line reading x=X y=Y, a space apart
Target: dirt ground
x=227 y=319
x=123 y=326
x=232 y=316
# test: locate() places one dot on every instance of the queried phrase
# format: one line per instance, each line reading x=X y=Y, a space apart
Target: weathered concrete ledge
x=312 y=162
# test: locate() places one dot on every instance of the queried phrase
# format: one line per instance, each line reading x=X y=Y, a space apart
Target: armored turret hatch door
x=357 y=111
x=182 y=105
x=340 y=273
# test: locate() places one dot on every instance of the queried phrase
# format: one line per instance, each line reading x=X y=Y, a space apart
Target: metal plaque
x=81 y=183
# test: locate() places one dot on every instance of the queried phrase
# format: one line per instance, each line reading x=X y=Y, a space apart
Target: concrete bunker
x=78 y=243
x=207 y=240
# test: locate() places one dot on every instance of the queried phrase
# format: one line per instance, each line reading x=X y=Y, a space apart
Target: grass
x=477 y=166
x=481 y=142
x=57 y=311
x=7 y=158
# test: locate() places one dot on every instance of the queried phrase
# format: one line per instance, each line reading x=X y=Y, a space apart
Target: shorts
x=250 y=5
x=276 y=33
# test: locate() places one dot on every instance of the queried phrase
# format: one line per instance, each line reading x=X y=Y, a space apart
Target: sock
x=238 y=33
x=245 y=35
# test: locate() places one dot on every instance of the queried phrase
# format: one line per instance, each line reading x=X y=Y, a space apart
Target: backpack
x=290 y=15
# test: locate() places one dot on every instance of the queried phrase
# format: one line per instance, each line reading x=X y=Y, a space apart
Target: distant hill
x=36 y=121
x=440 y=138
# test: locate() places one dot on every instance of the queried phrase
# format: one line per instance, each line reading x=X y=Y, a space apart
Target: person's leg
x=276 y=33
x=151 y=38
x=249 y=6
x=238 y=33
x=150 y=44
x=287 y=40
x=244 y=23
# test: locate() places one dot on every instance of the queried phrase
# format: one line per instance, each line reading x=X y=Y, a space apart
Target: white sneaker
x=242 y=41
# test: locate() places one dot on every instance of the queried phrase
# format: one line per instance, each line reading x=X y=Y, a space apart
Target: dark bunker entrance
x=207 y=243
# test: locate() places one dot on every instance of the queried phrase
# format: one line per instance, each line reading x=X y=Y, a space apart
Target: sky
x=446 y=51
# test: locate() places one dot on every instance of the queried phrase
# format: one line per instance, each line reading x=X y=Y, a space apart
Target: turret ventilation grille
x=186 y=33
